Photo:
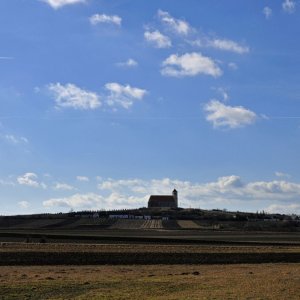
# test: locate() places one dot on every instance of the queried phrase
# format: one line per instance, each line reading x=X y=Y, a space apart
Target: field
x=263 y=281
x=151 y=254
x=78 y=258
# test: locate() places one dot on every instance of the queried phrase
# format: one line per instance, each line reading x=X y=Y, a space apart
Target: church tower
x=175 y=196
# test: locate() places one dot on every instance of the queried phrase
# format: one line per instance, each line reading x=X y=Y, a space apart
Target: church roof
x=162 y=198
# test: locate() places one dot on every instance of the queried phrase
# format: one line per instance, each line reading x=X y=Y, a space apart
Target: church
x=164 y=201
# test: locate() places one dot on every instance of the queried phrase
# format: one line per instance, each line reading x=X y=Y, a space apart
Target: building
x=164 y=201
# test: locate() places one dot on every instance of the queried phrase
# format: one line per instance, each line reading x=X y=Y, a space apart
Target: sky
x=103 y=103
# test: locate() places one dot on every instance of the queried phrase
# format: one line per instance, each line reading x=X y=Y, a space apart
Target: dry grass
x=188 y=224
x=263 y=281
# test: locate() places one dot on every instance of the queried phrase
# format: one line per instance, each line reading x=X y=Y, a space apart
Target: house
x=164 y=201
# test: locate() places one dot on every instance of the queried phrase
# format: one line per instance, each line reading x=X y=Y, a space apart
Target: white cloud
x=14 y=139
x=226 y=189
x=223 y=93
x=82 y=178
x=6 y=57
x=179 y=26
x=281 y=174
x=129 y=63
x=230 y=191
x=158 y=39
x=23 y=204
x=63 y=186
x=228 y=45
x=289 y=6
x=293 y=208
x=190 y=64
x=75 y=201
x=95 y=201
x=206 y=41
x=108 y=19
x=123 y=95
x=30 y=179
x=7 y=182
x=267 y=11
x=232 y=66
x=60 y=3
x=221 y=115
x=71 y=96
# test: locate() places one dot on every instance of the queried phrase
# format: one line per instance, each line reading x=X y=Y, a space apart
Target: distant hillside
x=144 y=218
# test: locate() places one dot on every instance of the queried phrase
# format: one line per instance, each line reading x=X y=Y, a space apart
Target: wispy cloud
x=281 y=174
x=7 y=182
x=71 y=96
x=225 y=116
x=178 y=26
x=232 y=66
x=16 y=140
x=190 y=64
x=228 y=45
x=108 y=19
x=129 y=63
x=157 y=39
x=123 y=95
x=23 y=204
x=267 y=11
x=6 y=57
x=82 y=178
x=63 y=186
x=60 y=3
x=289 y=6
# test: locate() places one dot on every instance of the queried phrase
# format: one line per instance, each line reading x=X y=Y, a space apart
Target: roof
x=161 y=198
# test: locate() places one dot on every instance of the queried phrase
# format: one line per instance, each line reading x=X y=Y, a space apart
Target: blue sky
x=103 y=103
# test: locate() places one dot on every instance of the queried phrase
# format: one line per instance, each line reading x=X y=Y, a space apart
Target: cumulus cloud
x=108 y=19
x=115 y=95
x=30 y=179
x=267 y=11
x=228 y=45
x=82 y=178
x=190 y=64
x=289 y=6
x=293 y=208
x=75 y=201
x=178 y=26
x=221 y=115
x=60 y=3
x=95 y=201
x=224 y=190
x=63 y=186
x=157 y=39
x=71 y=96
x=129 y=63
x=123 y=95
x=230 y=191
